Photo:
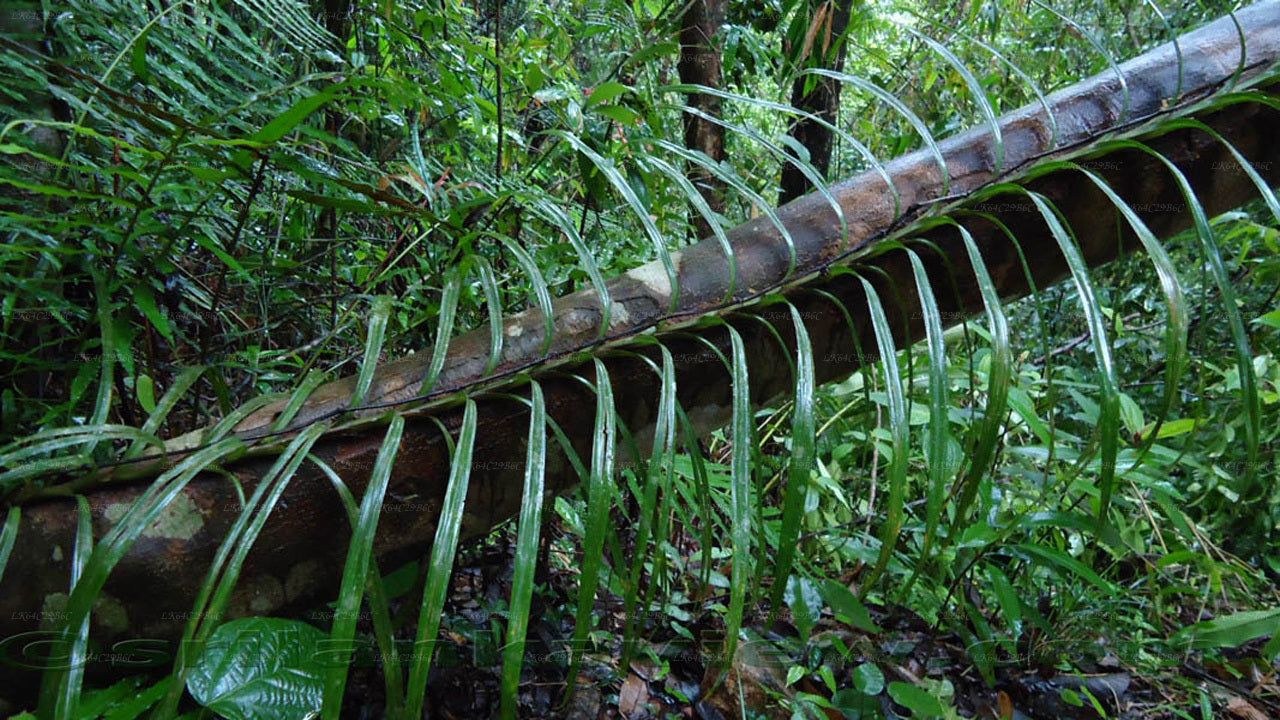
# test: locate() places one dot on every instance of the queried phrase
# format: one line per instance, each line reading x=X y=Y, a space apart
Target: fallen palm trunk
x=298 y=557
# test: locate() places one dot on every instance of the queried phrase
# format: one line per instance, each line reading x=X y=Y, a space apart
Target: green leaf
x=868 y=679
x=918 y=700
x=739 y=492
x=1052 y=556
x=9 y=535
x=146 y=301
x=146 y=389
x=359 y=554
x=939 y=424
x=378 y=315
x=440 y=566
x=844 y=602
x=138 y=57
x=898 y=427
x=998 y=379
x=805 y=601
x=1272 y=319
x=625 y=116
x=526 y=558
x=1230 y=631
x=1109 y=421
x=444 y=330
x=599 y=495
x=289 y=119
x=606 y=92
x=259 y=667
x=803 y=450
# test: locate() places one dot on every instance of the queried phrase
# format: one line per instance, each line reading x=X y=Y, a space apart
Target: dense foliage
x=246 y=187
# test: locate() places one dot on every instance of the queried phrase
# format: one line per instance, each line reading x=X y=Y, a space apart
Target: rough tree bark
x=298 y=558
x=823 y=101
x=700 y=64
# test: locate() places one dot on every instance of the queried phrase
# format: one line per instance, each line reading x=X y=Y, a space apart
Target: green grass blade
x=378 y=315
x=356 y=569
x=997 y=381
x=803 y=451
x=700 y=204
x=610 y=171
x=939 y=425
x=898 y=106
x=140 y=515
x=106 y=329
x=975 y=88
x=526 y=558
x=440 y=567
x=1239 y=335
x=1050 y=116
x=690 y=441
x=541 y=293
x=863 y=151
x=742 y=427
x=1109 y=418
x=1264 y=189
x=493 y=303
x=661 y=458
x=599 y=495
x=73 y=681
x=731 y=179
x=444 y=331
x=899 y=431
x=806 y=168
x=1178 y=326
x=9 y=535
x=1093 y=40
x=561 y=221
x=298 y=398
x=177 y=391
x=382 y=624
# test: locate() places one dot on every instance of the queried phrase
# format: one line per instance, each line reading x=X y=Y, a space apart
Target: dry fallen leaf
x=1006 y=705
x=633 y=694
x=1241 y=708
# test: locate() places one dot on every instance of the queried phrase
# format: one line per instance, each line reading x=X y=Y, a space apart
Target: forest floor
x=676 y=668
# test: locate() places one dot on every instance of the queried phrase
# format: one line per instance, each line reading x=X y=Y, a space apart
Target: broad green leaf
x=919 y=701
x=1231 y=630
x=289 y=119
x=260 y=667
x=146 y=301
x=844 y=602
x=605 y=93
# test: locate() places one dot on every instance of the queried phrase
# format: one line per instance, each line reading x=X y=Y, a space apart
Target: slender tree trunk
x=700 y=64
x=337 y=20
x=823 y=100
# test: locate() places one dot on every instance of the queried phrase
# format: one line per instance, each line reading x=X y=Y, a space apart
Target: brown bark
x=823 y=102
x=700 y=64
x=298 y=558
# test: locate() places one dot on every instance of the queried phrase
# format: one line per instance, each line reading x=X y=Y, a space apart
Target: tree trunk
x=823 y=101
x=298 y=558
x=700 y=65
